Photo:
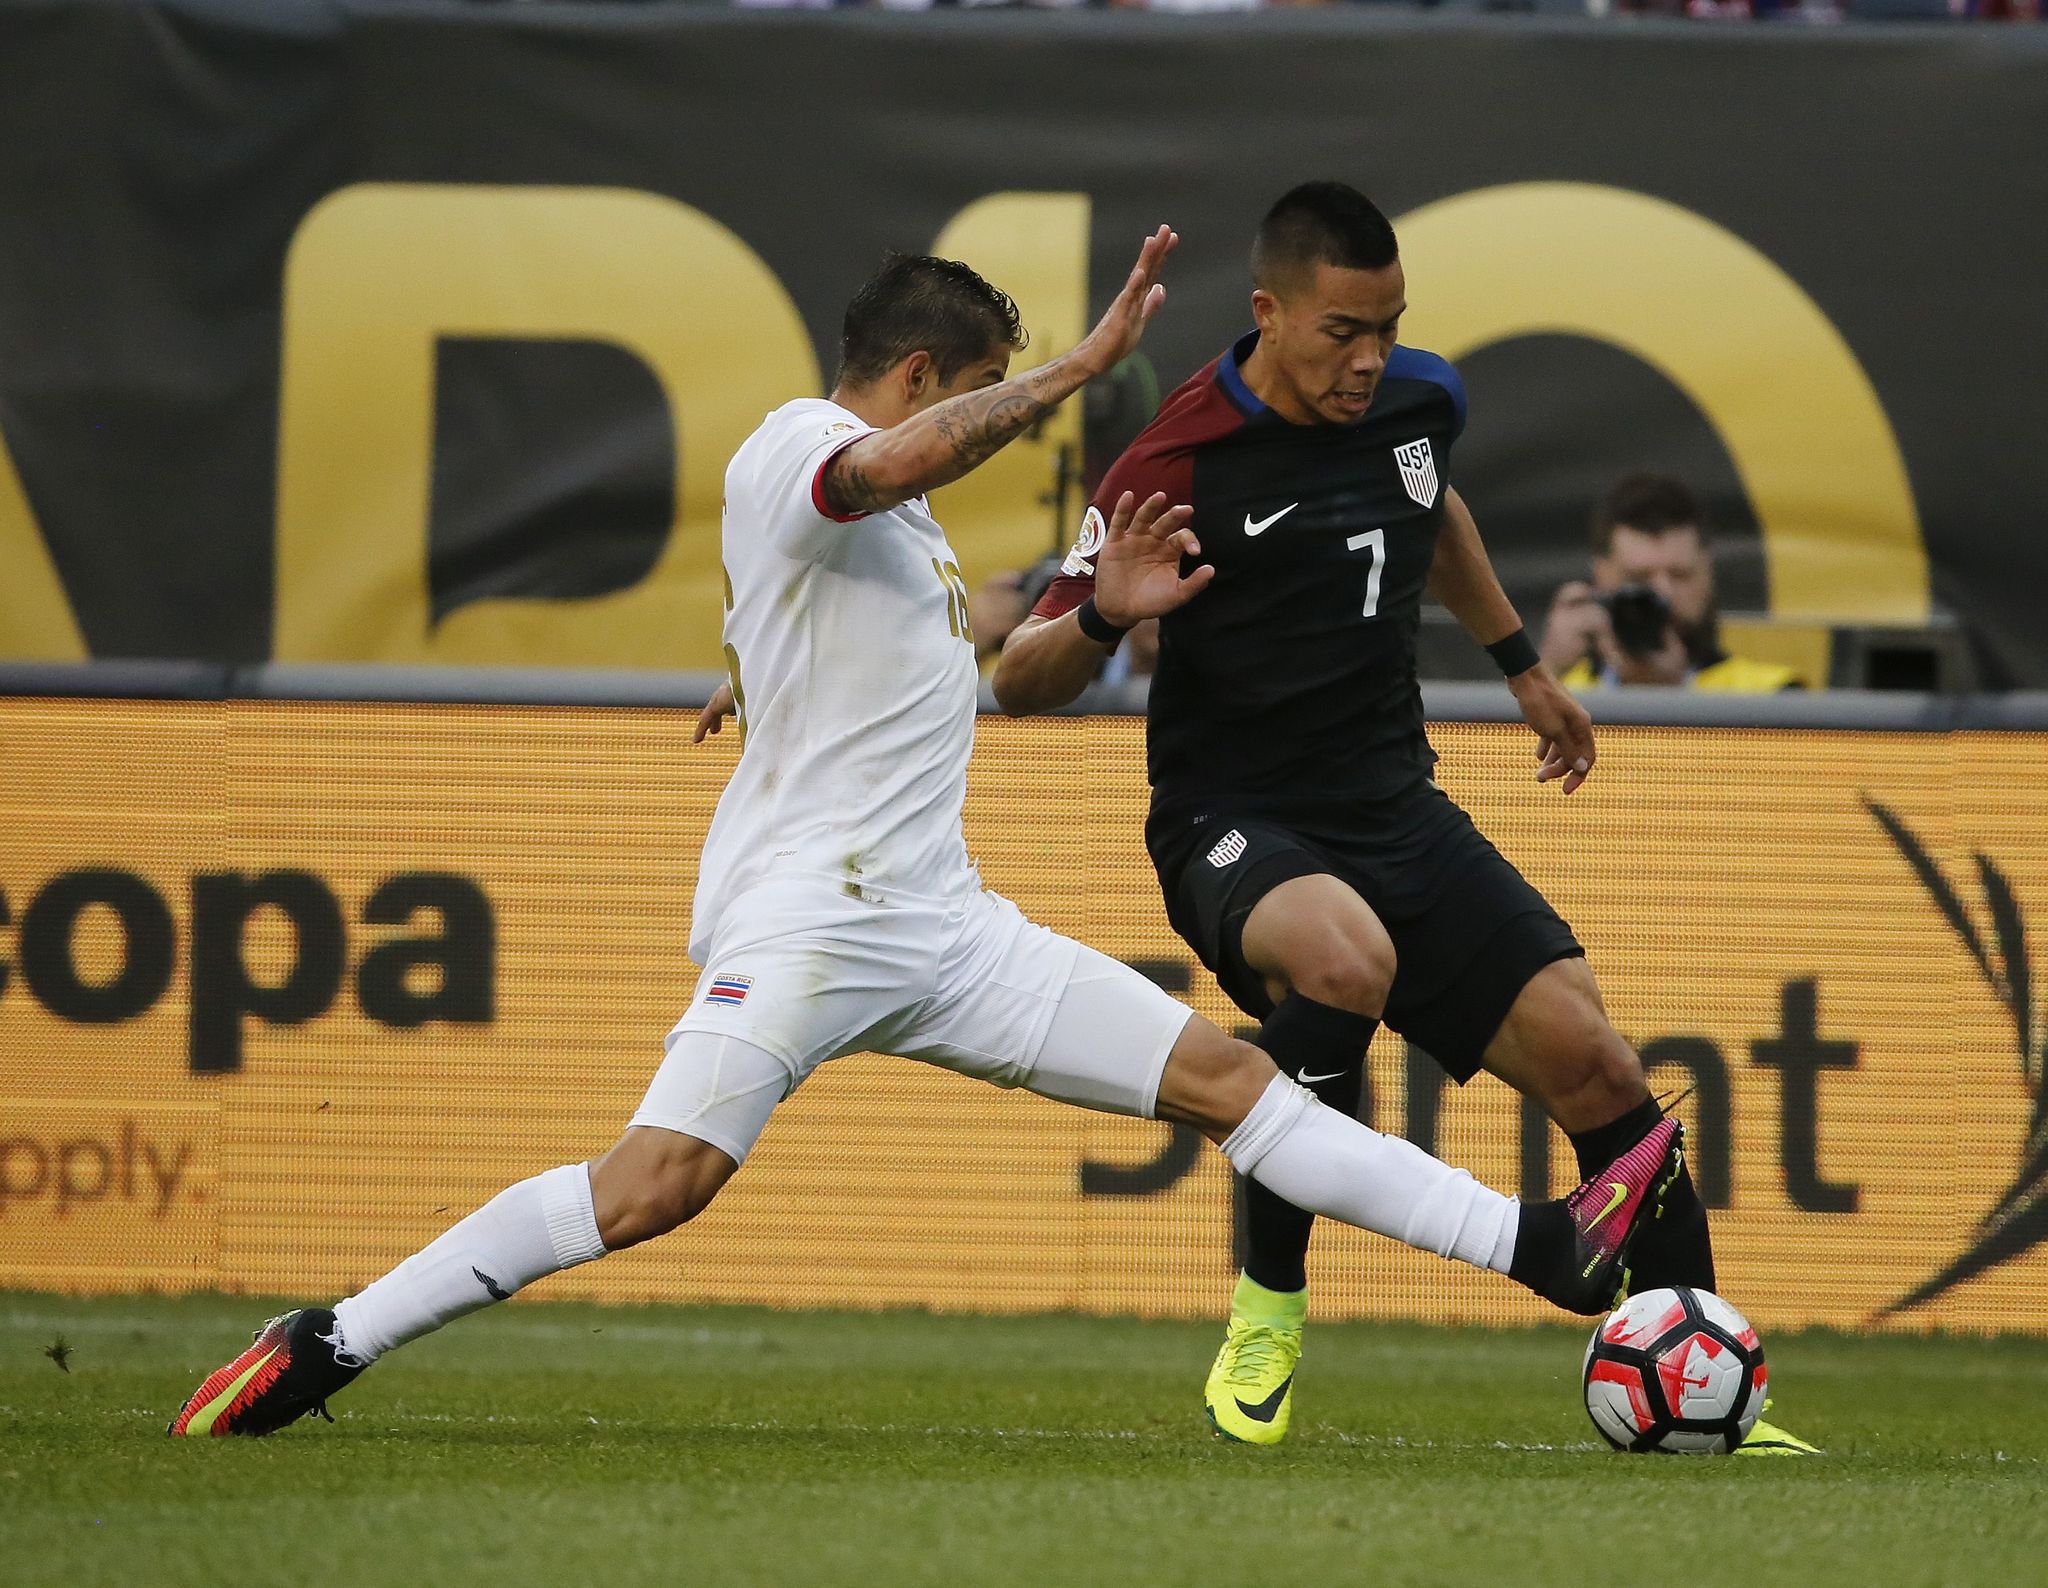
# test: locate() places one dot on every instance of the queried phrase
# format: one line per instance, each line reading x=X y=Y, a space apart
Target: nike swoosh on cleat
x=1257 y=527
x=203 y=1420
x=491 y=1285
x=1268 y=1408
x=1620 y=1196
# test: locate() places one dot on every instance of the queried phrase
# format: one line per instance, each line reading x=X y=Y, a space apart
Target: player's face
x=1675 y=564
x=991 y=369
x=1330 y=337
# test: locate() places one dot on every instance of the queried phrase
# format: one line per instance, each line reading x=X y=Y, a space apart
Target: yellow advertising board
x=286 y=987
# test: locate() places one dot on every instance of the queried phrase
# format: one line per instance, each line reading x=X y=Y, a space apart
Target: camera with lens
x=1639 y=617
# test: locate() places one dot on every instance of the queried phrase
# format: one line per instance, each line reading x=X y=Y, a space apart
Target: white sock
x=526 y=1232
x=1330 y=1164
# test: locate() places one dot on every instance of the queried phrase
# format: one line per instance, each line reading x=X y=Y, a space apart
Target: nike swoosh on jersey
x=1310 y=1080
x=1264 y=1411
x=1260 y=526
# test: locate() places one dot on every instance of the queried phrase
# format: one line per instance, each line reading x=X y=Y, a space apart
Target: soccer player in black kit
x=1305 y=852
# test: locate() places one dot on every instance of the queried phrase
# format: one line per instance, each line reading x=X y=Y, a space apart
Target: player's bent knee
x=1347 y=975
x=1316 y=936
x=1558 y=1046
x=1211 y=1080
x=653 y=1181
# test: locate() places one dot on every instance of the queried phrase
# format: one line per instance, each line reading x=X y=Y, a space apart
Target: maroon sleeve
x=1161 y=459
x=1145 y=467
x=1067 y=591
x=818 y=500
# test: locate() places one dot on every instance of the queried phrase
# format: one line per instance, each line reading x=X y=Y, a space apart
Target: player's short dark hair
x=1320 y=223
x=916 y=303
x=1656 y=504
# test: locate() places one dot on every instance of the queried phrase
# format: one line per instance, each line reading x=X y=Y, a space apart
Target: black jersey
x=1290 y=681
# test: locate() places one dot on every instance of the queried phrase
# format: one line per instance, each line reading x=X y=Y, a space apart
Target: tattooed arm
x=952 y=438
x=939 y=445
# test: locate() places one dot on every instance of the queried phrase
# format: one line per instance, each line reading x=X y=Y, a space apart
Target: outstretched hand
x=1137 y=571
x=1117 y=332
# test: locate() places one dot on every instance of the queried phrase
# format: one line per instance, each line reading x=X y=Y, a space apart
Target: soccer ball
x=1678 y=1371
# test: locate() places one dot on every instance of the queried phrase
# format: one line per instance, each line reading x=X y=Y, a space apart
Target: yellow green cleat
x=1768 y=1439
x=1250 y=1393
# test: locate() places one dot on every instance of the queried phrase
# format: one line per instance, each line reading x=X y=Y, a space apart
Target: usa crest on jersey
x=1228 y=850
x=1418 y=471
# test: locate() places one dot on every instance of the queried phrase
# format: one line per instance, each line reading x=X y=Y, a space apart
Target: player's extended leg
x=1572 y=1252
x=1328 y=964
x=703 y=1112
x=1019 y=1006
x=1110 y=1040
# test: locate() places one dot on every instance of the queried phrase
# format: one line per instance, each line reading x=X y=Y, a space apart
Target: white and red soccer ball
x=1678 y=1371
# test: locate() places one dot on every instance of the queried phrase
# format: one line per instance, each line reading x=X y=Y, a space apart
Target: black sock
x=1543 y=1247
x=1324 y=1049
x=1675 y=1249
x=1600 y=1146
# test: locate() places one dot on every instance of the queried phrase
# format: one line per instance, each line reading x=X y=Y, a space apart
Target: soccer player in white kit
x=837 y=910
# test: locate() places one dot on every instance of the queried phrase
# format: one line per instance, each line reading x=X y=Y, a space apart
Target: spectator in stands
x=1649 y=615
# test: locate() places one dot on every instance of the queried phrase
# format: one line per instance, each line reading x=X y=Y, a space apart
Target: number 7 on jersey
x=1377 y=540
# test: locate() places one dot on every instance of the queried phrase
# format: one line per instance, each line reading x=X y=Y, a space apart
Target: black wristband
x=1097 y=627
x=1515 y=654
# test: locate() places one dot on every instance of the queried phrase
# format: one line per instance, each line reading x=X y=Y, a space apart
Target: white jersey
x=853 y=669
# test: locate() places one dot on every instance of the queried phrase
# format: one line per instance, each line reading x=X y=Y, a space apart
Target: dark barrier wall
x=422 y=333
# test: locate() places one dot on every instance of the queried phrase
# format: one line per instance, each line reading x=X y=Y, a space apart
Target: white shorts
x=800 y=972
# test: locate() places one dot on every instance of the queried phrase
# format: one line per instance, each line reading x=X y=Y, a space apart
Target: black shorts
x=1468 y=929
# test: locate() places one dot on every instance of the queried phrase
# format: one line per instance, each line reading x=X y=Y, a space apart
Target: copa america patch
x=1228 y=848
x=729 y=990
x=1081 y=560
x=1418 y=471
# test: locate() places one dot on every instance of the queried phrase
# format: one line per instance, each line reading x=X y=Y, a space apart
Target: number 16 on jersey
x=956 y=599
x=1376 y=539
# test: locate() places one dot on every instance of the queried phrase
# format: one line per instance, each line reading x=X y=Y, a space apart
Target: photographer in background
x=1649 y=616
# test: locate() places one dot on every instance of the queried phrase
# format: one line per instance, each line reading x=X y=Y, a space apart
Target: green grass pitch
x=568 y=1444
